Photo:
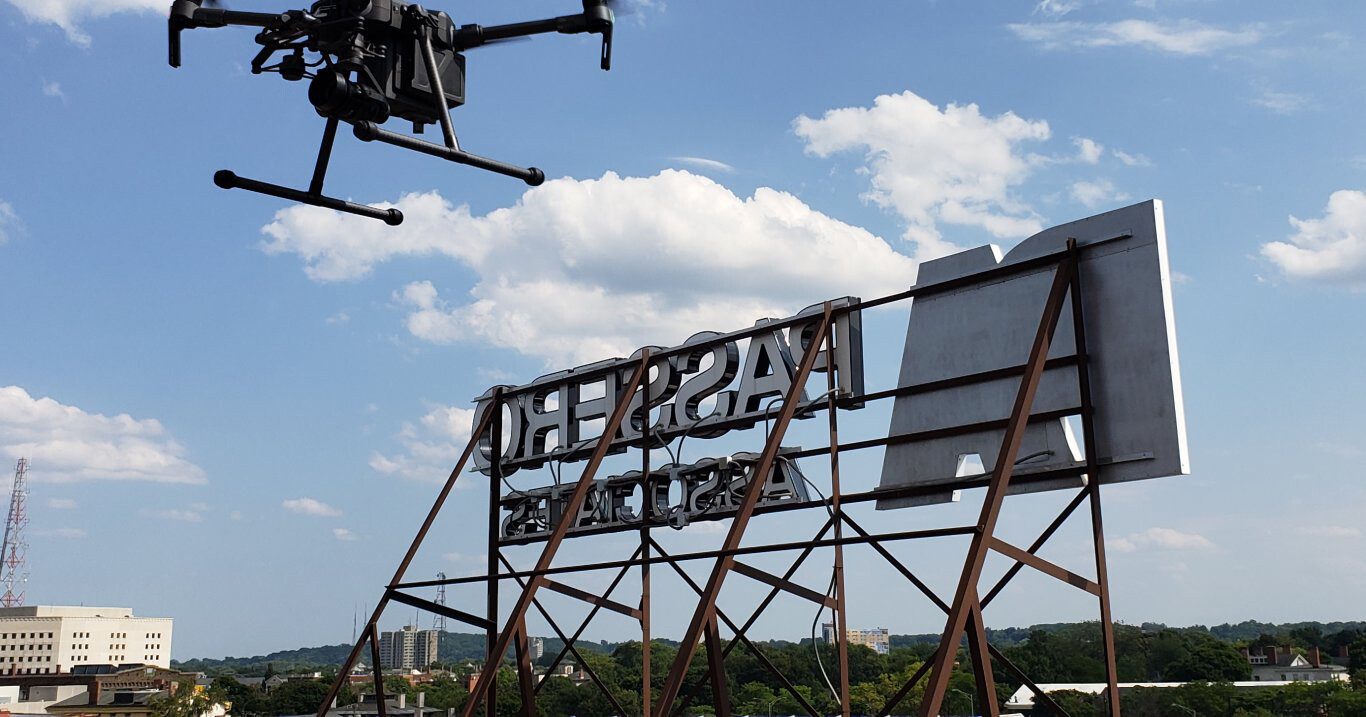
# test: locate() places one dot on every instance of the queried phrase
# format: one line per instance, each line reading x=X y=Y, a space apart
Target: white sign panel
x=986 y=326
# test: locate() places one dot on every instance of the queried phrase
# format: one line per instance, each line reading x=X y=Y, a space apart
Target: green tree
x=297 y=697
x=183 y=701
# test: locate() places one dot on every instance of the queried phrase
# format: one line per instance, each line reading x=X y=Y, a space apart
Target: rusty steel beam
x=1088 y=430
x=841 y=602
x=587 y=619
x=569 y=644
x=589 y=598
x=716 y=669
x=964 y=596
x=571 y=509
x=749 y=645
x=1039 y=695
x=1035 y=546
x=378 y=672
x=1043 y=566
x=430 y=606
x=494 y=551
x=768 y=578
x=907 y=687
x=706 y=609
x=646 y=515
x=525 y=679
x=440 y=501
x=983 y=678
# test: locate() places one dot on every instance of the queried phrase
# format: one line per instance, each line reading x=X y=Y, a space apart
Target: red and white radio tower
x=14 y=550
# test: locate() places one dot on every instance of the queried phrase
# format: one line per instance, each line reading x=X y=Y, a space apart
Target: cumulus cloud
x=68 y=14
x=931 y=165
x=1088 y=150
x=1180 y=37
x=309 y=506
x=430 y=447
x=69 y=444
x=1331 y=248
x=343 y=534
x=580 y=270
x=1161 y=539
x=61 y=503
x=1095 y=193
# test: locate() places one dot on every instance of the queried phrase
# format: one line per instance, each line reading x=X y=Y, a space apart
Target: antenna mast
x=14 y=550
x=439 y=624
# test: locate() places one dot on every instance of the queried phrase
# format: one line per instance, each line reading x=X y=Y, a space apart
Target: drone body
x=374 y=60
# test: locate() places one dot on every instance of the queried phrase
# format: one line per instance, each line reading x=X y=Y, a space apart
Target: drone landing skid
x=227 y=180
x=314 y=195
x=369 y=131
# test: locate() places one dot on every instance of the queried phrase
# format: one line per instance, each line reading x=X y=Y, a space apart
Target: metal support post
x=965 y=595
x=1088 y=432
x=841 y=606
x=491 y=594
x=706 y=608
x=571 y=509
x=380 y=703
x=440 y=501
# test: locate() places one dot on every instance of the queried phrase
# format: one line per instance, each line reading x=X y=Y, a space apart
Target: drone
x=368 y=61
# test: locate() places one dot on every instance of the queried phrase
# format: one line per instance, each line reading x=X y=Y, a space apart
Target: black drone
x=370 y=60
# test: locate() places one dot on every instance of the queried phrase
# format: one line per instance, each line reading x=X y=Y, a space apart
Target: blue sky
x=238 y=411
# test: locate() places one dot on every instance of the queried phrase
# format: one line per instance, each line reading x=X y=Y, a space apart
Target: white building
x=48 y=639
x=409 y=648
x=878 y=639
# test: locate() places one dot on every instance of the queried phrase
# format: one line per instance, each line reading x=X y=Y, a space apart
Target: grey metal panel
x=1136 y=386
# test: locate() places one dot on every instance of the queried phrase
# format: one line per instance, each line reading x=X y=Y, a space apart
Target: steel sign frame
x=506 y=628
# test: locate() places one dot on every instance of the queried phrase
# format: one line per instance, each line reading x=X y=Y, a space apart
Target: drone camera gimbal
x=377 y=59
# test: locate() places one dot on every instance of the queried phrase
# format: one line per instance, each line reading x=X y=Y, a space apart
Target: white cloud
x=68 y=14
x=1282 y=103
x=176 y=514
x=1096 y=193
x=62 y=533
x=343 y=534
x=430 y=447
x=704 y=164
x=1160 y=538
x=309 y=506
x=61 y=503
x=1088 y=150
x=340 y=317
x=69 y=444
x=1331 y=248
x=1056 y=8
x=1131 y=160
x=1181 y=37
x=54 y=89
x=931 y=165
x=578 y=271
x=8 y=220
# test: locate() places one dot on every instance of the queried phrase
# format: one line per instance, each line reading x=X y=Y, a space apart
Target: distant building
x=397 y=706
x=1023 y=699
x=878 y=640
x=409 y=648
x=1282 y=664
x=49 y=639
x=537 y=645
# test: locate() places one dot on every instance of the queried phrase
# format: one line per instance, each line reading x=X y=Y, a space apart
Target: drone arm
x=186 y=14
x=595 y=18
